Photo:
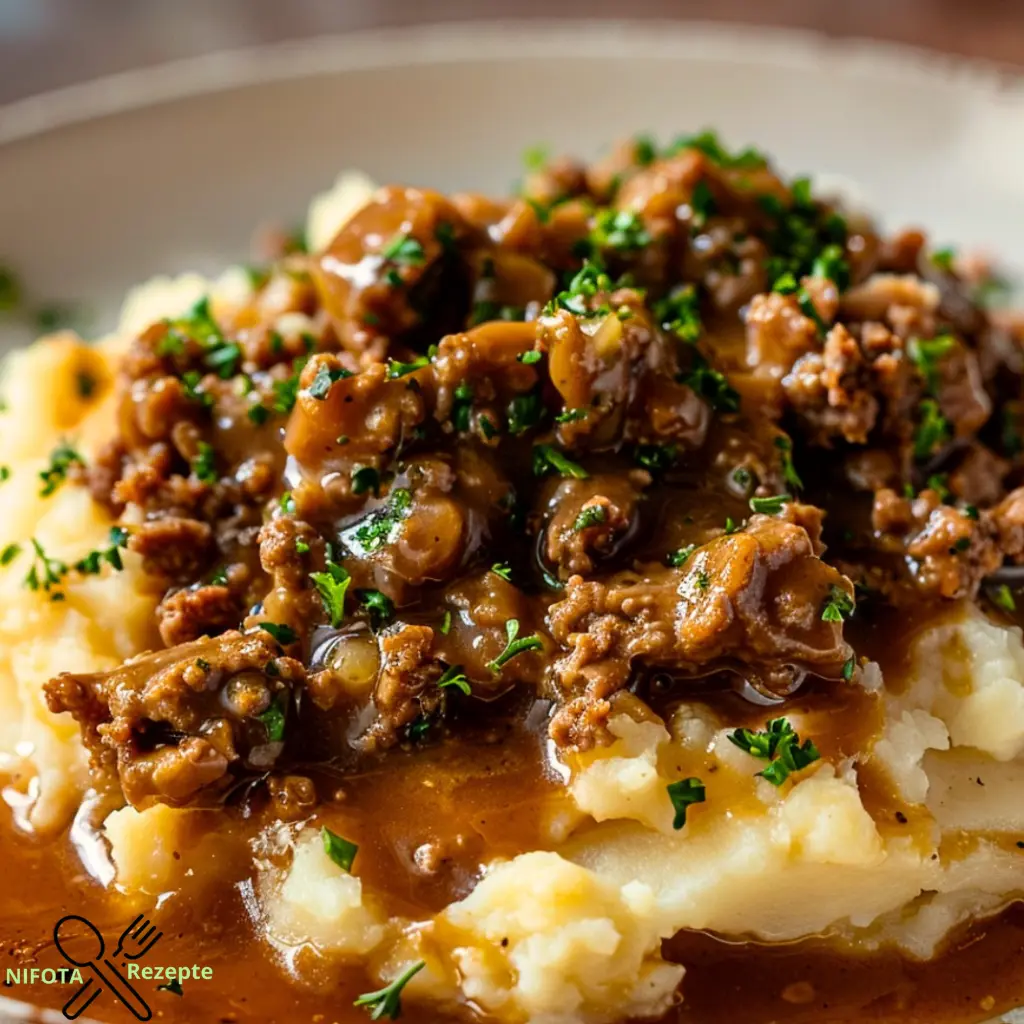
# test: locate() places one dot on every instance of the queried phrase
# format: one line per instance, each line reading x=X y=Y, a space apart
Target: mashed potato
x=571 y=935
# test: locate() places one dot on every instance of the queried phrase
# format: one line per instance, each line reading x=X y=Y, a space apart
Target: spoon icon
x=103 y=970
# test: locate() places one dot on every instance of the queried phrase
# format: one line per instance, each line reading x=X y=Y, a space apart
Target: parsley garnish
x=830 y=263
x=341 y=851
x=91 y=564
x=455 y=676
x=446 y=622
x=531 y=357
x=204 y=465
x=622 y=230
x=770 y=506
x=377 y=530
x=926 y=354
x=525 y=411
x=655 y=458
x=273 y=718
x=378 y=606
x=46 y=572
x=780 y=745
x=707 y=141
x=943 y=259
x=5 y=474
x=331 y=586
x=679 y=312
x=644 y=150
x=62 y=458
x=932 y=430
x=703 y=581
x=680 y=557
x=387 y=1002
x=571 y=415
x=9 y=554
x=403 y=251
x=683 y=794
x=711 y=384
x=397 y=369
x=323 y=380
x=10 y=290
x=789 y=473
x=283 y=634
x=546 y=457
x=190 y=381
x=839 y=605
x=702 y=202
x=514 y=646
x=1002 y=597
x=503 y=570
x=591 y=515
x=848 y=667
x=590 y=280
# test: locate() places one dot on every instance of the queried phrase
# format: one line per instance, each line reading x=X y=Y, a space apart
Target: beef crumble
x=554 y=443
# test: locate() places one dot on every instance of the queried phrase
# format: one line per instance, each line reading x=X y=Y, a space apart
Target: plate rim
x=460 y=42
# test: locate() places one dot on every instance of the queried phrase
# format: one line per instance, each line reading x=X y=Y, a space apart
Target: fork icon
x=137 y=939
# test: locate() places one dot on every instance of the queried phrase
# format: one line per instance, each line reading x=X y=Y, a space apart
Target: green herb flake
x=516 y=645
x=708 y=143
x=789 y=473
x=571 y=415
x=446 y=622
x=110 y=555
x=681 y=556
x=454 y=676
x=770 y=506
x=62 y=458
x=10 y=290
x=644 y=150
x=9 y=554
x=943 y=259
x=683 y=795
x=387 y=1002
x=679 y=312
x=274 y=717
x=933 y=430
x=927 y=354
x=403 y=251
x=525 y=411
x=503 y=570
x=622 y=230
x=546 y=457
x=283 y=634
x=341 y=851
x=848 y=666
x=382 y=523
x=531 y=357
x=711 y=384
x=378 y=606
x=590 y=515
x=365 y=479
x=325 y=377
x=397 y=369
x=331 y=586
x=204 y=464
x=46 y=573
x=839 y=606
x=780 y=745
x=1002 y=597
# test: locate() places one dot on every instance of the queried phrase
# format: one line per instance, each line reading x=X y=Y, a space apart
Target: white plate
x=168 y=169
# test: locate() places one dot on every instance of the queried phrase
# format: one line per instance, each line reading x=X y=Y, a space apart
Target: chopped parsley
x=525 y=411
x=830 y=263
x=702 y=202
x=455 y=676
x=516 y=645
x=287 y=503
x=93 y=562
x=848 y=667
x=5 y=474
x=283 y=634
x=331 y=586
x=780 y=745
x=62 y=458
x=403 y=251
x=572 y=415
x=535 y=157
x=397 y=369
x=655 y=458
x=204 y=465
x=10 y=290
x=679 y=312
x=446 y=622
x=546 y=457
x=789 y=473
x=190 y=381
x=365 y=478
x=387 y=1002
x=1002 y=597
x=462 y=406
x=531 y=357
x=9 y=554
x=644 y=150
x=711 y=384
x=926 y=354
x=378 y=606
x=323 y=380
x=622 y=230
x=683 y=794
x=285 y=392
x=943 y=259
x=590 y=515
x=301 y=546
x=503 y=570
x=708 y=143
x=587 y=283
x=703 y=581
x=46 y=573
x=770 y=506
x=382 y=522
x=341 y=851
x=839 y=606
x=680 y=557
x=933 y=429
x=221 y=355
x=274 y=717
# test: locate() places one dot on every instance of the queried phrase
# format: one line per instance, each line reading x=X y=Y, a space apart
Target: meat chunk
x=182 y=726
x=752 y=601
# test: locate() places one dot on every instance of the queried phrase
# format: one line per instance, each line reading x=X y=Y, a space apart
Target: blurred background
x=45 y=44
